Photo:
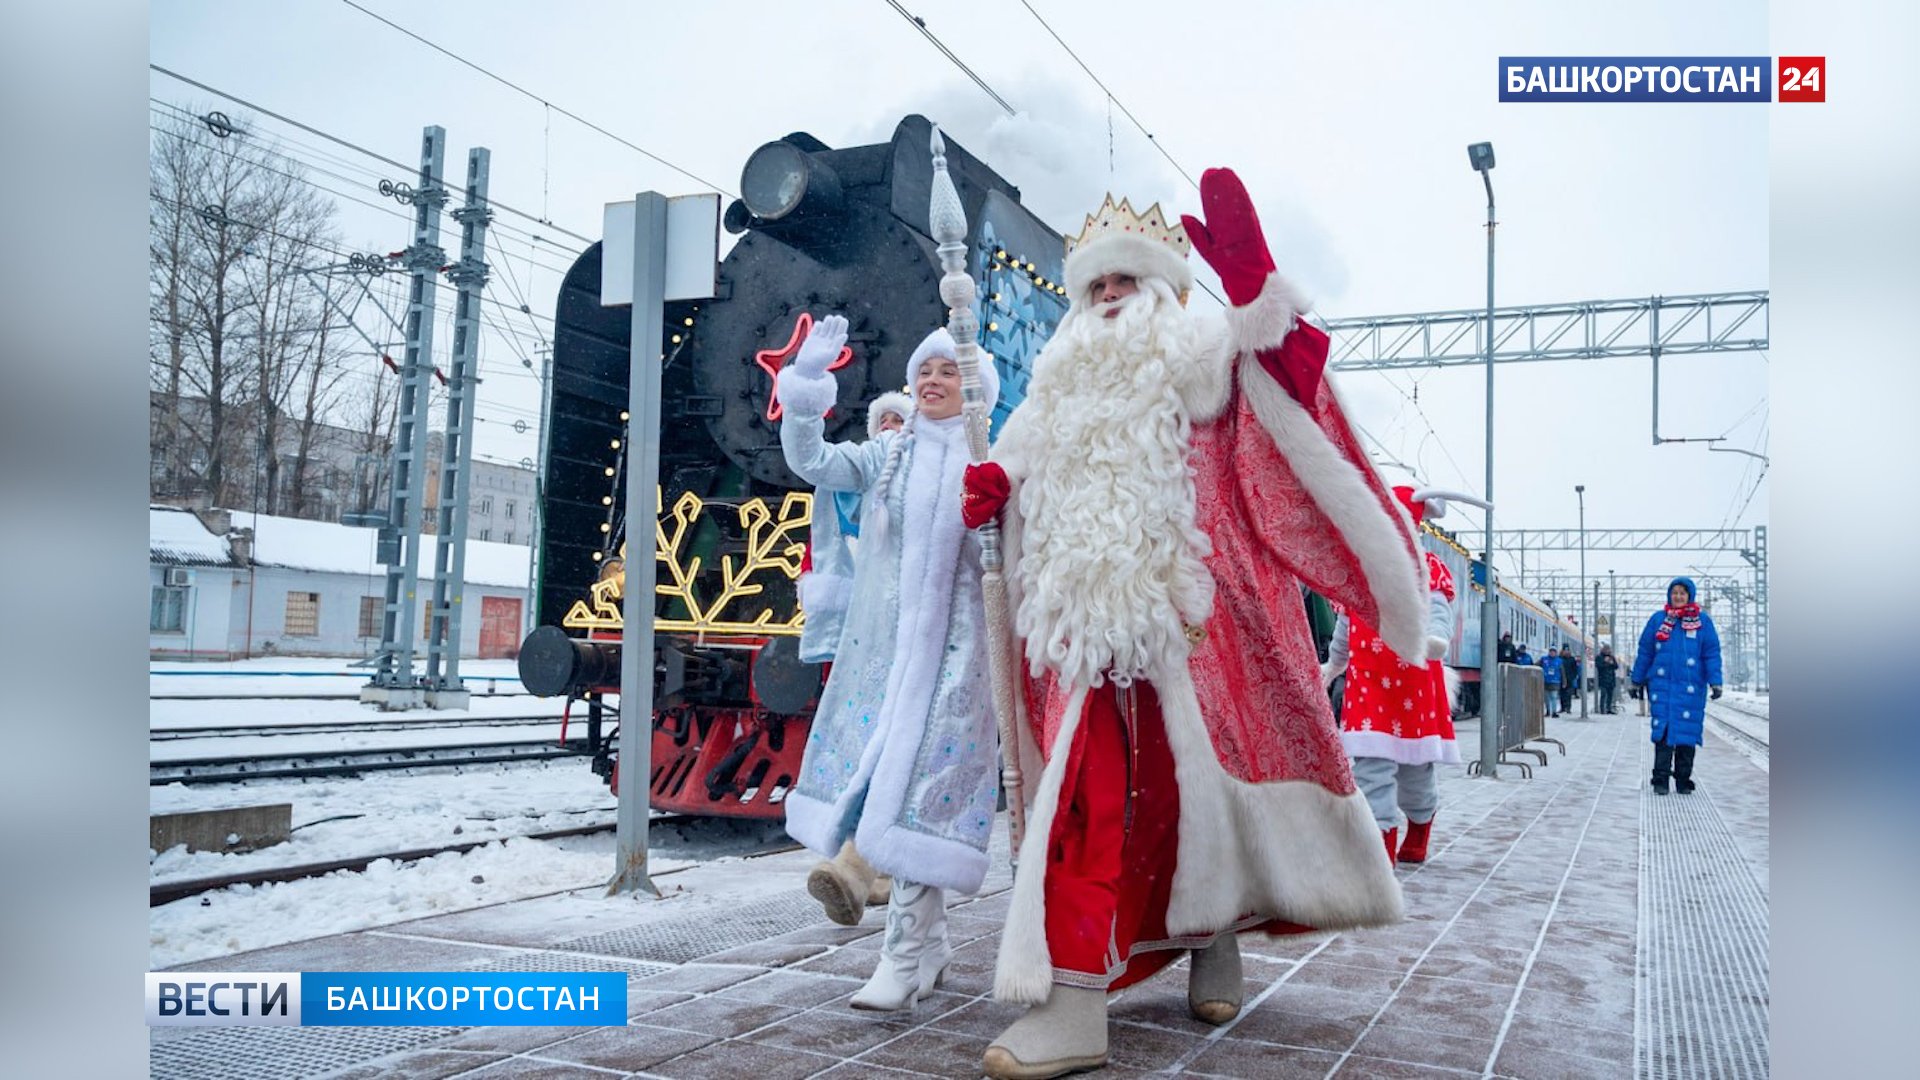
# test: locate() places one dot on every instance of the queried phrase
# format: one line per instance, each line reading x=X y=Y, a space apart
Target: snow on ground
x=240 y=746
x=255 y=917
x=304 y=675
x=389 y=812
x=241 y=712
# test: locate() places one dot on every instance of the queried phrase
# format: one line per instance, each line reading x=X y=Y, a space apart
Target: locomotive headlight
x=783 y=182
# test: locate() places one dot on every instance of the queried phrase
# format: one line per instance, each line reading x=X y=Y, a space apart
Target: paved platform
x=1569 y=925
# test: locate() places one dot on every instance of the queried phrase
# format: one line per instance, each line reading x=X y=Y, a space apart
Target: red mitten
x=986 y=492
x=1230 y=239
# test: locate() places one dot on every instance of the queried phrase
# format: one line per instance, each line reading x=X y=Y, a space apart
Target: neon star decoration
x=772 y=360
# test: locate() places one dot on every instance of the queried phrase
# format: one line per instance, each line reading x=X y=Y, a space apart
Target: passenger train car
x=1532 y=622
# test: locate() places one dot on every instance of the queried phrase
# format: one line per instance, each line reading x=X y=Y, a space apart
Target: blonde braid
x=887 y=471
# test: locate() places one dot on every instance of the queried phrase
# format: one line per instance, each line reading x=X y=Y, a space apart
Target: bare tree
x=241 y=347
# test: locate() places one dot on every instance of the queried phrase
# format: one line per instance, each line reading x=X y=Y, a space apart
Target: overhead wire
x=920 y=24
x=406 y=169
x=517 y=88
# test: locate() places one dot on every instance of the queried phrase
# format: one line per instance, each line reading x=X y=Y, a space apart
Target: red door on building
x=499 y=627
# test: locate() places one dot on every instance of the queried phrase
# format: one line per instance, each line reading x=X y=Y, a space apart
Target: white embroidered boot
x=1214 y=989
x=911 y=913
x=842 y=885
x=1066 y=1033
x=937 y=952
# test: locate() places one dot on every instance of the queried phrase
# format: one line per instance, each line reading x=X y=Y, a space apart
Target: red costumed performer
x=1164 y=489
x=1397 y=718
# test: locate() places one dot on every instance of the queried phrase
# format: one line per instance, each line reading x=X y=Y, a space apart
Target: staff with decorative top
x=1165 y=488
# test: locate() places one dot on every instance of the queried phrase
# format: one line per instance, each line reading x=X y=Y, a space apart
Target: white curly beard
x=1110 y=568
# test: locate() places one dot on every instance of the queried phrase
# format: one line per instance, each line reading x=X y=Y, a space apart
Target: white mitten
x=1436 y=647
x=1327 y=675
x=822 y=346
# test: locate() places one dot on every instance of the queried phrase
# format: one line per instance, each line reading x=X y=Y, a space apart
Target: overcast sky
x=1348 y=123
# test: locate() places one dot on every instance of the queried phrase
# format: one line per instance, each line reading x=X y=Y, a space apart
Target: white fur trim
x=1264 y=321
x=1125 y=254
x=804 y=395
x=1384 y=744
x=1395 y=572
x=1452 y=680
x=1024 y=971
x=824 y=592
x=893 y=401
x=1289 y=849
x=1207 y=384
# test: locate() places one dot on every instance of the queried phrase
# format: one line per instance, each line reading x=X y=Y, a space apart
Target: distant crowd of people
x=1676 y=671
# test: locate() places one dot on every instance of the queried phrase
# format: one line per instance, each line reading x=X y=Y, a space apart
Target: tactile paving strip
x=550 y=961
x=1702 y=990
x=690 y=939
x=269 y=1053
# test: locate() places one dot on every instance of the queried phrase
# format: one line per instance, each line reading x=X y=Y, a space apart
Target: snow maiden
x=903 y=756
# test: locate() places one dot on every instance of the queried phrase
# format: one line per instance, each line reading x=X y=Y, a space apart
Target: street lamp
x=1480 y=155
x=1586 y=623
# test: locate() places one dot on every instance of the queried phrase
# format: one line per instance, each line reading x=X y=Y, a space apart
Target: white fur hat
x=940 y=343
x=893 y=401
x=1125 y=254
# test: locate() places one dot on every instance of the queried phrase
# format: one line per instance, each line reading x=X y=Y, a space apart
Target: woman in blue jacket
x=1677 y=668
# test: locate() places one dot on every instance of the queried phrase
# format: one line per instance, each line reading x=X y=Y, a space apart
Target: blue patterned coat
x=1677 y=673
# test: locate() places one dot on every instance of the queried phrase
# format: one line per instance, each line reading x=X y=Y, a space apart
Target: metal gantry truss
x=1581 y=330
x=1751 y=544
x=1613 y=539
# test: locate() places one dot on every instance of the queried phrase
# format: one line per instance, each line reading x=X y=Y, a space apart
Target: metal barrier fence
x=1523 y=716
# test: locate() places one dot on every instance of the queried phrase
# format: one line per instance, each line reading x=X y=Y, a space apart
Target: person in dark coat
x=1569 y=677
x=1550 y=671
x=1606 y=667
x=1506 y=653
x=1677 y=669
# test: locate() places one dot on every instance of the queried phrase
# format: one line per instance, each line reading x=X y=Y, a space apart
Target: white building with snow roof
x=227 y=585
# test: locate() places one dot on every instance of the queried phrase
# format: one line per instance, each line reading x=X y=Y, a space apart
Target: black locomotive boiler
x=821 y=231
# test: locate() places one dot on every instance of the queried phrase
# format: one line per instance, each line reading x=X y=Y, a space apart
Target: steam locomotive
x=821 y=231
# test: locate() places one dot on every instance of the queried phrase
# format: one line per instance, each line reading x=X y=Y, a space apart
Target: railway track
x=215 y=770
x=334 y=727
x=1742 y=731
x=662 y=829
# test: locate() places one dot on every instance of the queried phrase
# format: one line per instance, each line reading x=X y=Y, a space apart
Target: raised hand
x=1230 y=239
x=822 y=346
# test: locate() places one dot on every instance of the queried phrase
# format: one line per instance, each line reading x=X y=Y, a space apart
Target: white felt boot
x=912 y=912
x=1063 y=1034
x=1214 y=989
x=842 y=884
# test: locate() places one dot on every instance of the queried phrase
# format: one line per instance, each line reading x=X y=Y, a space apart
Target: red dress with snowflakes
x=1393 y=709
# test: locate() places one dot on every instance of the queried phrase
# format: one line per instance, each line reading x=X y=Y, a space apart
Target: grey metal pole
x=1586 y=621
x=442 y=679
x=392 y=686
x=1490 y=608
x=643 y=478
x=1613 y=614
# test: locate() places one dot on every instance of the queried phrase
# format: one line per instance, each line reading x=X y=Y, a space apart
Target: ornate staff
x=949 y=226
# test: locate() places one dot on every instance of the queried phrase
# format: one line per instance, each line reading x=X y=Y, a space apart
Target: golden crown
x=1121 y=220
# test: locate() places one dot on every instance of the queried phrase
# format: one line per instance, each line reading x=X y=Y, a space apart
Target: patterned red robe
x=1240 y=808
